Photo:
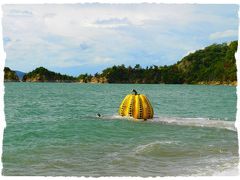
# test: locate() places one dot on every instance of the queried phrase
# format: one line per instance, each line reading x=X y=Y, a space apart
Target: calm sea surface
x=52 y=130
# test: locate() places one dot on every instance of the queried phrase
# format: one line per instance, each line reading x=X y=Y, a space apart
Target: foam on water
x=195 y=122
x=232 y=171
x=153 y=145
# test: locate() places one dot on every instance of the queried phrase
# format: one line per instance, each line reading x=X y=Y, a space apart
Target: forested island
x=10 y=75
x=214 y=64
x=42 y=74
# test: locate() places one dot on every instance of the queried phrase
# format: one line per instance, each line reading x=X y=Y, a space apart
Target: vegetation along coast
x=214 y=65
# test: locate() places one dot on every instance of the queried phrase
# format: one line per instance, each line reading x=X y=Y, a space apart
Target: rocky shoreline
x=213 y=83
x=234 y=83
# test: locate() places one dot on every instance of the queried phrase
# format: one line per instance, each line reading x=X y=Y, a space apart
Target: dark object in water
x=98 y=115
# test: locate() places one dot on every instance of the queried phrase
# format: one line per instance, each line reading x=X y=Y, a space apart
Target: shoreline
x=211 y=83
x=233 y=171
x=234 y=83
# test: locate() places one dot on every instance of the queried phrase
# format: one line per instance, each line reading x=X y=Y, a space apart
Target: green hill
x=41 y=74
x=9 y=75
x=214 y=64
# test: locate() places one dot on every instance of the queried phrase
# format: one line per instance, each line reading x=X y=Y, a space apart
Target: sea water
x=52 y=130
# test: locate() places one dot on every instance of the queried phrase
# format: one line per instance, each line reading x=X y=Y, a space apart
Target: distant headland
x=214 y=64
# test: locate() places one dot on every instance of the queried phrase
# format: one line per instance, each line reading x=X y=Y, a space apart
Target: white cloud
x=100 y=60
x=73 y=20
x=223 y=34
x=84 y=34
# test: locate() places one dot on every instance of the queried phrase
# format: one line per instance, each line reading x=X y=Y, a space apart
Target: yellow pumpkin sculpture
x=136 y=106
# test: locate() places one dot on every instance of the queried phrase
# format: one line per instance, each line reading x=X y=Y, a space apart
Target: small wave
x=231 y=171
x=152 y=146
x=114 y=117
x=195 y=122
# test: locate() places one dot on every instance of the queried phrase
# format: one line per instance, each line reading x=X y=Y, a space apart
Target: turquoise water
x=52 y=130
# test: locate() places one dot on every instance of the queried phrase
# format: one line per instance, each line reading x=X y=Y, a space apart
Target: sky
x=87 y=38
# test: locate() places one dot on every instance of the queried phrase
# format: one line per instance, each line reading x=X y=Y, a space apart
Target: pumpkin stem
x=134 y=91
